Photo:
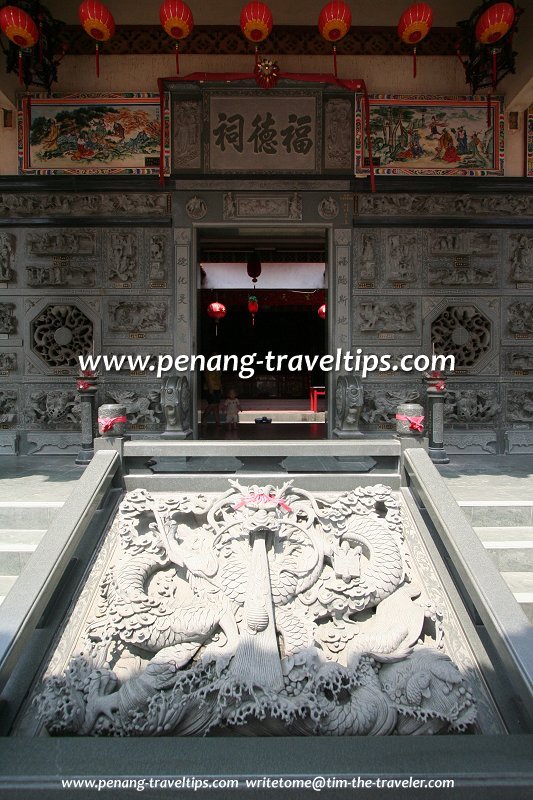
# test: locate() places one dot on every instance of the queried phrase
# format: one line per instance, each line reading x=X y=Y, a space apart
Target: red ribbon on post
x=108 y=423
x=415 y=423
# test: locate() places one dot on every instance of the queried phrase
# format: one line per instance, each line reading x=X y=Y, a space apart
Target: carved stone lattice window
x=60 y=334
x=463 y=332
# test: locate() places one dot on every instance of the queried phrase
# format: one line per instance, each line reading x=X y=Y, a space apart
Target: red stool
x=314 y=393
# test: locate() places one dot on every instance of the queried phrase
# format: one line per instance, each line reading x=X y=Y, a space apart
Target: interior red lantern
x=256 y=22
x=216 y=311
x=98 y=22
x=414 y=25
x=334 y=22
x=177 y=20
x=253 y=307
x=19 y=29
x=322 y=311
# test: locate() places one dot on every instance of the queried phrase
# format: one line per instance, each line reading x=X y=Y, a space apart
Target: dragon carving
x=271 y=609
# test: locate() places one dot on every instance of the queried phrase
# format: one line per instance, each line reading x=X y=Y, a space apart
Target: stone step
x=25 y=538
x=28 y=515
x=521 y=585
x=511 y=556
x=6 y=582
x=488 y=535
x=525 y=599
x=498 y=513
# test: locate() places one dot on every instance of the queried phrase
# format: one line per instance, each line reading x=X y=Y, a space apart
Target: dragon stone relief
x=381 y=317
x=54 y=408
x=381 y=404
x=479 y=406
x=61 y=333
x=266 y=611
x=520 y=406
x=140 y=409
x=137 y=316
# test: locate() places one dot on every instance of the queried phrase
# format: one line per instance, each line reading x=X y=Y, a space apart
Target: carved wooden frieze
x=184 y=610
x=242 y=205
x=472 y=404
x=145 y=204
x=7 y=258
x=447 y=205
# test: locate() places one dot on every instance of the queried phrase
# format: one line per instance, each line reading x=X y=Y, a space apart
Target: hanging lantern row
x=414 y=25
x=98 y=22
x=19 y=29
x=334 y=22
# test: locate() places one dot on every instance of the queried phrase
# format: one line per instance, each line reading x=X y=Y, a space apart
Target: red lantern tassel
x=97 y=54
x=21 y=81
x=177 y=59
x=335 y=60
x=414 y=62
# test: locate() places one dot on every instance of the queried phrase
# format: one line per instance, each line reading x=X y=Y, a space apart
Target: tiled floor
x=38 y=478
x=489 y=477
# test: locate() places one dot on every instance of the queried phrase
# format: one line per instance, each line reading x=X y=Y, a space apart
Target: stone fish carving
x=267 y=610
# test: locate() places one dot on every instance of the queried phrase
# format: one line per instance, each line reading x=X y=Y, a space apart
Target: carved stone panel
x=519 y=406
x=222 y=614
x=338 y=133
x=517 y=361
x=241 y=205
x=9 y=406
x=7 y=258
x=403 y=257
x=123 y=257
x=8 y=363
x=447 y=205
x=381 y=402
x=187 y=135
x=387 y=318
x=58 y=331
x=468 y=259
x=59 y=242
x=143 y=405
x=521 y=258
x=8 y=320
x=158 y=255
x=50 y=407
x=145 y=204
x=368 y=256
x=517 y=318
x=62 y=272
x=472 y=405
x=136 y=319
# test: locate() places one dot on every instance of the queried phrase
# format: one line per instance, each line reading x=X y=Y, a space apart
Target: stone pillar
x=348 y=403
x=176 y=404
x=436 y=393
x=87 y=389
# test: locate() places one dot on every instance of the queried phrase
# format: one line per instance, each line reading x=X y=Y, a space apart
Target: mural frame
x=475 y=106
x=529 y=141
x=139 y=162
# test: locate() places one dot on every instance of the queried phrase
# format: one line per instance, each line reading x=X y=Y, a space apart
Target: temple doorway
x=261 y=295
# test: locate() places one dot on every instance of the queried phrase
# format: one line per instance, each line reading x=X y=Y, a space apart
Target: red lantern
x=19 y=29
x=98 y=22
x=414 y=25
x=216 y=311
x=177 y=20
x=334 y=22
x=322 y=311
x=253 y=307
x=256 y=22
x=493 y=25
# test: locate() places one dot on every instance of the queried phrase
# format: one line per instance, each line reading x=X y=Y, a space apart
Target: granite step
x=16 y=547
x=521 y=585
x=28 y=515
x=6 y=582
x=511 y=556
x=501 y=533
x=498 y=513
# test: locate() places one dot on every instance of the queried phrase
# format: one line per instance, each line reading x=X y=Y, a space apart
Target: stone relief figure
x=8 y=321
x=381 y=404
x=8 y=362
x=402 y=258
x=7 y=257
x=27 y=204
x=338 y=127
x=445 y=242
x=264 y=610
x=230 y=207
x=158 y=270
x=138 y=316
x=295 y=206
x=328 y=208
x=520 y=316
x=521 y=245
x=123 y=257
x=484 y=242
x=54 y=408
x=140 y=410
x=367 y=270
x=8 y=407
x=393 y=317
x=62 y=243
x=61 y=275
x=520 y=406
x=472 y=275
x=196 y=208
x=348 y=402
x=452 y=205
x=186 y=134
x=520 y=359
x=470 y=406
x=176 y=403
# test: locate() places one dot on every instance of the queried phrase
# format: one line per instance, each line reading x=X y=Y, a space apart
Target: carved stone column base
x=344 y=434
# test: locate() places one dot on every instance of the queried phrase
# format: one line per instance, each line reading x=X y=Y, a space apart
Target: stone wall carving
x=61 y=272
x=60 y=333
x=176 y=404
x=8 y=363
x=402 y=257
x=8 y=320
x=269 y=206
x=7 y=258
x=123 y=258
x=464 y=332
x=381 y=403
x=131 y=317
x=143 y=405
x=158 y=260
x=520 y=405
x=186 y=134
x=196 y=208
x=20 y=205
x=472 y=406
x=367 y=259
x=338 y=116
x=54 y=408
x=519 y=361
x=520 y=318
x=62 y=242
x=448 y=205
x=348 y=403
x=521 y=257
x=8 y=407
x=381 y=317
x=265 y=610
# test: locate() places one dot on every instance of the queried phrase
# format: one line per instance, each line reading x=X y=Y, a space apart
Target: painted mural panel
x=90 y=134
x=430 y=135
